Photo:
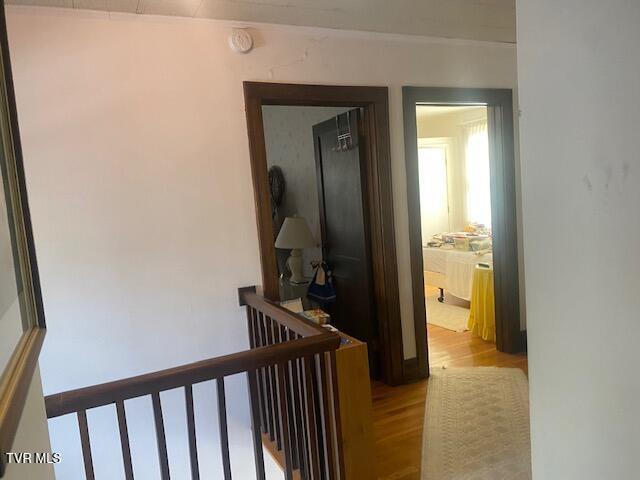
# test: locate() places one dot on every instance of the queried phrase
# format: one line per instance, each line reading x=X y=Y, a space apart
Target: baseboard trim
x=412 y=371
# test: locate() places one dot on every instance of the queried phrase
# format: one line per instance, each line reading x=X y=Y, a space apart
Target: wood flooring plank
x=398 y=412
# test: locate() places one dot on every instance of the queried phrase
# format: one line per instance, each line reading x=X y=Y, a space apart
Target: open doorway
x=461 y=196
x=455 y=210
x=347 y=140
x=316 y=163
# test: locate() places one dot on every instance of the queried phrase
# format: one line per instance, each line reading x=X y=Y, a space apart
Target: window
x=477 y=173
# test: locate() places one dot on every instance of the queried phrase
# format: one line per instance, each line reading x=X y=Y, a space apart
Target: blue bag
x=321 y=289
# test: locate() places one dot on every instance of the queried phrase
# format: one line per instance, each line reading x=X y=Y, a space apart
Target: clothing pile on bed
x=449 y=259
x=475 y=238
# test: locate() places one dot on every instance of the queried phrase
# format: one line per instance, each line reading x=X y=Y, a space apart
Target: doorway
x=365 y=115
x=462 y=214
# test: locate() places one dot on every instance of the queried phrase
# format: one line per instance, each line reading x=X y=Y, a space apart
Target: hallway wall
x=578 y=71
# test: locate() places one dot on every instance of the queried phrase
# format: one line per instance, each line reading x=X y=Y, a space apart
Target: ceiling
x=487 y=20
x=423 y=111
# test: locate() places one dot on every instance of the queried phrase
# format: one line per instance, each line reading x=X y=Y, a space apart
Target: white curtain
x=478 y=194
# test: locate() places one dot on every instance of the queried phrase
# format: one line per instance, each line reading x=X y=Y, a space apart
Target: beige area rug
x=477 y=425
x=447 y=315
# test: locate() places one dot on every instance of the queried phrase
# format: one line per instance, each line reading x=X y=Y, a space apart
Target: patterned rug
x=447 y=315
x=477 y=425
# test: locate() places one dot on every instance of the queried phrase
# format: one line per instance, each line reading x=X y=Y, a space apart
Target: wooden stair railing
x=308 y=445
x=292 y=400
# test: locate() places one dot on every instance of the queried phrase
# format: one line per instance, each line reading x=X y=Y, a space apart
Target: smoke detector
x=240 y=40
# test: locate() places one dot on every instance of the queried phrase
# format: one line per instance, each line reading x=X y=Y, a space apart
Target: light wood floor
x=398 y=412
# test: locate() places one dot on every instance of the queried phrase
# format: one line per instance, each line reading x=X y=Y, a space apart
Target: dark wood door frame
x=503 y=209
x=374 y=102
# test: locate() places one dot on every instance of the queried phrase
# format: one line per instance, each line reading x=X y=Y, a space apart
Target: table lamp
x=295 y=234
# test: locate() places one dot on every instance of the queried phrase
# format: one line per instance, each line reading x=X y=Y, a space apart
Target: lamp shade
x=295 y=233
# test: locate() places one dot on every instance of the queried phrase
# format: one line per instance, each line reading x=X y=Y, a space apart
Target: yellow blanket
x=482 y=318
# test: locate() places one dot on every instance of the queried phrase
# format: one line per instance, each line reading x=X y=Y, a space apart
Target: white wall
x=578 y=72
x=137 y=165
x=32 y=436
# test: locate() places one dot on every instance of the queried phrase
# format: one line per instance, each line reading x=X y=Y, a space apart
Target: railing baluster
x=265 y=402
x=267 y=382
x=254 y=342
x=304 y=438
x=124 y=440
x=327 y=415
x=86 y=444
x=320 y=418
x=255 y=426
x=296 y=385
x=191 y=429
x=311 y=418
x=284 y=414
x=224 y=434
x=160 y=437
x=274 y=386
x=291 y=418
x=250 y=328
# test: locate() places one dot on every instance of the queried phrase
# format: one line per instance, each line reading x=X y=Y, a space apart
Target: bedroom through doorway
x=455 y=219
x=461 y=192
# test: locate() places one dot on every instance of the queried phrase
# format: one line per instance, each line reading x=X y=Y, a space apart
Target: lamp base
x=294 y=262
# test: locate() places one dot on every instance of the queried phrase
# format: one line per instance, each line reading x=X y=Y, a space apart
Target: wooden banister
x=106 y=393
x=288 y=372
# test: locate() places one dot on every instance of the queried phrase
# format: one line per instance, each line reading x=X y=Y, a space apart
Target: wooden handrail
x=299 y=324
x=99 y=395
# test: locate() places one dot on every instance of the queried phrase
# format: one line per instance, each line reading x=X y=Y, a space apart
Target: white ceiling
x=423 y=111
x=490 y=20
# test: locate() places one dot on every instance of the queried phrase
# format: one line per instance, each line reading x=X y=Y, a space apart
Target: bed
x=451 y=270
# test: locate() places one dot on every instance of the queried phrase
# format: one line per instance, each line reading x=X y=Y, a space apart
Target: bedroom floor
x=398 y=412
x=452 y=314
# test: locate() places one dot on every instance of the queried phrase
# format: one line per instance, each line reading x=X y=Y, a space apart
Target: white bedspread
x=456 y=265
x=435 y=259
